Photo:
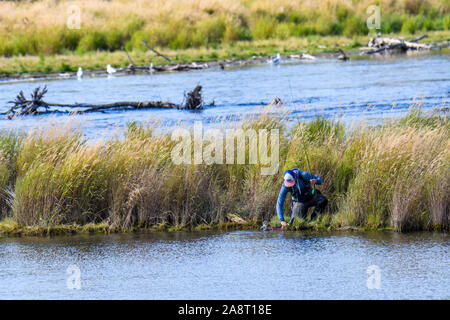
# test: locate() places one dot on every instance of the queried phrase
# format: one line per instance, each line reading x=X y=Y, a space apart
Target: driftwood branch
x=194 y=100
x=132 y=66
x=167 y=68
x=28 y=106
x=156 y=52
x=36 y=105
x=419 y=38
x=383 y=44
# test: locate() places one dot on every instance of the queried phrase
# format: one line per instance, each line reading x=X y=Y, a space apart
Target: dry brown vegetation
x=395 y=176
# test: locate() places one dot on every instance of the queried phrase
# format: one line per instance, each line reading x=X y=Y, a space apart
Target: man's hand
x=313 y=181
x=283 y=224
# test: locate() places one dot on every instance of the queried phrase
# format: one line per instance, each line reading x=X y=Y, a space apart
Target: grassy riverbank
x=94 y=61
x=35 y=37
x=392 y=176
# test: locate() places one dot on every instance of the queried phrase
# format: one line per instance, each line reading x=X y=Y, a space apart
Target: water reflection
x=234 y=265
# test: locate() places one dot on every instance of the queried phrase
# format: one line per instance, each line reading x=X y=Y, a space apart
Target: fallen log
x=132 y=67
x=183 y=67
x=386 y=48
x=167 y=68
x=381 y=42
x=384 y=44
x=36 y=105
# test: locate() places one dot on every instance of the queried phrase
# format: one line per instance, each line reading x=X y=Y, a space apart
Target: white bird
x=110 y=69
x=276 y=60
x=80 y=73
x=308 y=56
x=151 y=67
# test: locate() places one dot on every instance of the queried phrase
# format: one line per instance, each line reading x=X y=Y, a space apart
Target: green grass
x=181 y=32
x=69 y=61
x=9 y=227
x=186 y=33
x=391 y=176
x=97 y=60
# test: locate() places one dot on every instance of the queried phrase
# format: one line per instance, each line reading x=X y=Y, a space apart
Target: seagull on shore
x=276 y=60
x=80 y=73
x=308 y=56
x=110 y=70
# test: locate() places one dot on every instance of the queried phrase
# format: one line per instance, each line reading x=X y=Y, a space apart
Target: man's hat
x=289 y=178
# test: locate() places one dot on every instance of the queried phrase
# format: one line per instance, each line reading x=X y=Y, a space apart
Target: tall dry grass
x=39 y=27
x=10 y=144
x=395 y=175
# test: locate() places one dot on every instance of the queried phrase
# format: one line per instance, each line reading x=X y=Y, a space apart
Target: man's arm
x=280 y=202
x=308 y=176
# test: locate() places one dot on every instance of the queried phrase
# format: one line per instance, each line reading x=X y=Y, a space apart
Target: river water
x=232 y=265
x=369 y=89
x=243 y=264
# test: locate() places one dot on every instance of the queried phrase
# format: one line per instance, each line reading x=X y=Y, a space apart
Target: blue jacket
x=300 y=192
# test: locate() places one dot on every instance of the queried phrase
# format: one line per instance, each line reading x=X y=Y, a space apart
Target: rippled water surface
x=367 y=89
x=234 y=265
x=244 y=264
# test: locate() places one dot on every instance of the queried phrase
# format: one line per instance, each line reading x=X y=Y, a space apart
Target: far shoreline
x=58 y=67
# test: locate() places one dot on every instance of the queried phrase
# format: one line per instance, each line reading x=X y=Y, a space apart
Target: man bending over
x=301 y=186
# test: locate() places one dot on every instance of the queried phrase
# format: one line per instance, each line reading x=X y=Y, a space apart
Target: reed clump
x=394 y=175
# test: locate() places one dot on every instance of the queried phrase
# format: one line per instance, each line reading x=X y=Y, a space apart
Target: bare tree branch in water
x=194 y=99
x=24 y=106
